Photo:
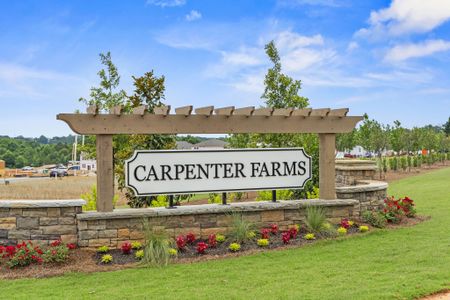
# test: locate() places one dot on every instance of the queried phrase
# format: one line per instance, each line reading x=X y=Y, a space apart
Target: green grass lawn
x=386 y=264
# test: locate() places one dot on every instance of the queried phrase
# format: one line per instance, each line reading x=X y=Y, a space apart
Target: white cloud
x=331 y=3
x=193 y=15
x=166 y=3
x=407 y=51
x=407 y=16
x=352 y=46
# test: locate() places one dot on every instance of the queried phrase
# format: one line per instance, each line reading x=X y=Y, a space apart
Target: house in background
x=211 y=144
x=183 y=145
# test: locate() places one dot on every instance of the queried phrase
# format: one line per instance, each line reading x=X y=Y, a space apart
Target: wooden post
x=327 y=185
x=105 y=173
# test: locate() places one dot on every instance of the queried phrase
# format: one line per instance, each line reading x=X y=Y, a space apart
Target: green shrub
x=384 y=165
x=103 y=249
x=395 y=164
x=214 y=198
x=314 y=194
x=342 y=231
x=106 y=259
x=251 y=234
x=220 y=238
x=403 y=163
x=136 y=245
x=363 y=228
x=391 y=164
x=160 y=201
x=310 y=236
x=139 y=254
x=415 y=162
x=91 y=199
x=240 y=228
x=156 y=246
x=374 y=218
x=315 y=218
x=281 y=195
x=234 y=247
x=263 y=242
x=173 y=252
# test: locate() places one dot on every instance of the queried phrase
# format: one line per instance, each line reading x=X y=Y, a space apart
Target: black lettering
x=151 y=173
x=289 y=170
x=203 y=170
x=178 y=170
x=238 y=170
x=302 y=169
x=276 y=168
x=135 y=173
x=216 y=170
x=227 y=173
x=255 y=168
x=264 y=170
x=190 y=172
x=165 y=169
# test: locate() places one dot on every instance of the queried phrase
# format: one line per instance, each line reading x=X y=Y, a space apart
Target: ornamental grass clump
x=315 y=218
x=156 y=246
x=239 y=229
x=263 y=242
x=251 y=235
x=234 y=247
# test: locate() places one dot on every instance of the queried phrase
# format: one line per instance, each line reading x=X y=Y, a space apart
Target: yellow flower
x=342 y=231
x=363 y=228
x=310 y=236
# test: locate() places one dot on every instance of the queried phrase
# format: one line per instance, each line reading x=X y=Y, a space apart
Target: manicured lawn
x=386 y=264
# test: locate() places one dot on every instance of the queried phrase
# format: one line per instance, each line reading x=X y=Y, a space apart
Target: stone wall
x=350 y=171
x=40 y=221
x=112 y=228
x=369 y=193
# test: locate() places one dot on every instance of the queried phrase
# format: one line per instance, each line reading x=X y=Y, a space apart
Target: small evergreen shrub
x=234 y=247
x=374 y=218
x=363 y=228
x=263 y=242
x=106 y=259
x=220 y=238
x=103 y=249
x=310 y=236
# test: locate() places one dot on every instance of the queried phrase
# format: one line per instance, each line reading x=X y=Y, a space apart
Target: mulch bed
x=88 y=261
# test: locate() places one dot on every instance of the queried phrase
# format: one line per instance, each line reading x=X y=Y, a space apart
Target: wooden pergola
x=208 y=120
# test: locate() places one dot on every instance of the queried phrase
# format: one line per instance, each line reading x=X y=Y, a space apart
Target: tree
x=397 y=137
x=447 y=127
x=148 y=90
x=373 y=136
x=105 y=96
x=281 y=91
x=346 y=141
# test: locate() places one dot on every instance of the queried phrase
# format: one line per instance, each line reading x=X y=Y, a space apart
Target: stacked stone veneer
x=112 y=228
x=355 y=180
x=40 y=221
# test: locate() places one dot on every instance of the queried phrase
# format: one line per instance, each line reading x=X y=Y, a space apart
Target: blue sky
x=389 y=59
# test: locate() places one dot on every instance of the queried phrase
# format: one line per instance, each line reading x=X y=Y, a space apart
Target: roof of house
x=184 y=145
x=211 y=143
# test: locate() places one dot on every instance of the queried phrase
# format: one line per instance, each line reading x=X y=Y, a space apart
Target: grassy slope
x=394 y=264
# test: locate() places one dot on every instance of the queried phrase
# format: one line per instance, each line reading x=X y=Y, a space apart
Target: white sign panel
x=196 y=171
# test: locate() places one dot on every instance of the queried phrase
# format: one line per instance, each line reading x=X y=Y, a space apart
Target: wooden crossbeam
x=184 y=110
x=303 y=112
x=162 y=110
x=116 y=110
x=266 y=111
x=224 y=111
x=206 y=111
x=92 y=109
x=320 y=112
x=341 y=112
x=140 y=110
x=283 y=112
x=244 y=111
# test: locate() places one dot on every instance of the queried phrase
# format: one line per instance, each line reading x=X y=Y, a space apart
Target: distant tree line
x=18 y=152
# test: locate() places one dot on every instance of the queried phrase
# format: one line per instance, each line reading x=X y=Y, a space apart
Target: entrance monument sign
x=196 y=171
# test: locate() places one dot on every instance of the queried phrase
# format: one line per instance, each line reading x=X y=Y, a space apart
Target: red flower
x=190 y=238
x=11 y=250
x=274 y=228
x=126 y=248
x=345 y=223
x=293 y=232
x=286 y=237
x=201 y=247
x=71 y=246
x=55 y=243
x=265 y=233
x=181 y=242
x=212 y=240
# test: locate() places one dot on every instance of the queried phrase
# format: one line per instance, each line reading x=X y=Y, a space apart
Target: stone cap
x=212 y=209
x=41 y=203
x=363 y=186
x=355 y=164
